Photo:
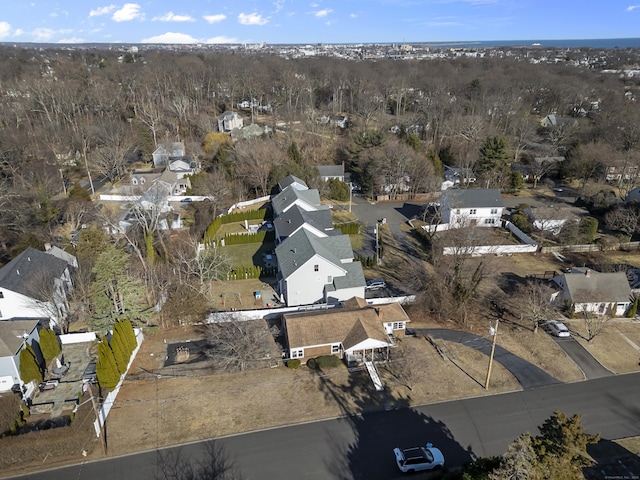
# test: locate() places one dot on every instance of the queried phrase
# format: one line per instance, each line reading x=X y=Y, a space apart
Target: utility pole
x=101 y=427
x=492 y=331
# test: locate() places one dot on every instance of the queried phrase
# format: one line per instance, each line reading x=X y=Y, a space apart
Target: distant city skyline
x=315 y=21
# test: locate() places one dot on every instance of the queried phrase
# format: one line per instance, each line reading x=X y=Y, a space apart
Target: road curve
x=528 y=374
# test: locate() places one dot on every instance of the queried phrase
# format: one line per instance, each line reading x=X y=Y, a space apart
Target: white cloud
x=252 y=19
x=631 y=8
x=215 y=18
x=18 y=32
x=129 y=11
x=279 y=5
x=102 y=11
x=222 y=39
x=322 y=13
x=353 y=15
x=42 y=34
x=172 y=17
x=5 y=29
x=71 y=40
x=171 y=37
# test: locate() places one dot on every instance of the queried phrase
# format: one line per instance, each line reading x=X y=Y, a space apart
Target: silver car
x=558 y=329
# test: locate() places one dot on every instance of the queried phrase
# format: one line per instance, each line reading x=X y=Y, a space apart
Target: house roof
x=588 y=286
x=30 y=271
x=473 y=198
x=290 y=180
x=353 y=278
x=295 y=217
x=331 y=170
x=300 y=247
x=349 y=326
x=228 y=115
x=291 y=195
x=62 y=255
x=173 y=149
x=11 y=335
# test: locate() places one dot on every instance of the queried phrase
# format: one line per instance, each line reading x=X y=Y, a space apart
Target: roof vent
x=587 y=273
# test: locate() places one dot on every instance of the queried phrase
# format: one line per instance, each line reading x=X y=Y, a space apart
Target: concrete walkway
x=528 y=374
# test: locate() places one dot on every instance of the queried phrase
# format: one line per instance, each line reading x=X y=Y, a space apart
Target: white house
x=318 y=222
x=331 y=171
x=318 y=269
x=228 y=121
x=14 y=334
x=478 y=206
x=35 y=284
x=589 y=291
x=291 y=196
x=165 y=151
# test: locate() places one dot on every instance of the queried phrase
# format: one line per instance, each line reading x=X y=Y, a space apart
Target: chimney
x=587 y=273
x=379 y=312
x=47 y=247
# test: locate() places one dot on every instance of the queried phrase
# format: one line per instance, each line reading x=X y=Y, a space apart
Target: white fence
x=529 y=245
x=111 y=398
x=171 y=198
x=244 y=315
x=241 y=205
x=70 y=338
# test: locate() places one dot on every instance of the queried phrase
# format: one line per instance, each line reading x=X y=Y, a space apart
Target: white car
x=417 y=459
x=558 y=329
x=377 y=284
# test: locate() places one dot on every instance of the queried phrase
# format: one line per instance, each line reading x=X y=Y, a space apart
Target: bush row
x=214 y=226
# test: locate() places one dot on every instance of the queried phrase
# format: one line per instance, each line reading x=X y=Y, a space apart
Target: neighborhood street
x=361 y=446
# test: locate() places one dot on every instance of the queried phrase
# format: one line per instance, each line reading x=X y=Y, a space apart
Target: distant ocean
x=605 y=43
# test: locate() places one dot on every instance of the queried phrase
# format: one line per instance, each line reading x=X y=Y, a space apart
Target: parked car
x=375 y=284
x=558 y=329
x=417 y=459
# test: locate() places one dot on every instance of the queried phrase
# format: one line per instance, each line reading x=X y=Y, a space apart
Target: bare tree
x=114 y=143
x=255 y=160
x=594 y=324
x=195 y=261
x=534 y=302
x=238 y=345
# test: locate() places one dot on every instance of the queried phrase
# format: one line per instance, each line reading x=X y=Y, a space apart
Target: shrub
x=295 y=363
x=49 y=344
x=324 y=362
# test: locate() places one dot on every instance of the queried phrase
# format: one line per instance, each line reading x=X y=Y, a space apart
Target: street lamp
x=493 y=332
x=100 y=430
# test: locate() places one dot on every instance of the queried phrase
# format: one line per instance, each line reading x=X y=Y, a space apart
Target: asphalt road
x=360 y=446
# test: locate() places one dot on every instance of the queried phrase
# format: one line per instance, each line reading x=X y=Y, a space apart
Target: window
x=457 y=211
x=398 y=325
x=335 y=348
x=1 y=294
x=329 y=279
x=134 y=181
x=297 y=353
x=489 y=220
x=472 y=211
x=142 y=181
x=494 y=211
x=316 y=268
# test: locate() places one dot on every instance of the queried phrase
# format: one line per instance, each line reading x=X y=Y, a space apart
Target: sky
x=314 y=21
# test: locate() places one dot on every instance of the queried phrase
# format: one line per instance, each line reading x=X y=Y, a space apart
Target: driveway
x=528 y=374
x=585 y=361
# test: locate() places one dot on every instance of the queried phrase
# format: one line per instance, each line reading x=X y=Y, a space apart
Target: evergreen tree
x=561 y=447
x=588 y=229
x=130 y=334
x=29 y=366
x=294 y=153
x=494 y=161
x=49 y=344
x=120 y=351
x=106 y=367
x=114 y=292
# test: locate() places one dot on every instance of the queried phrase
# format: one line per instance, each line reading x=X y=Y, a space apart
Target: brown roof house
x=586 y=290
x=356 y=332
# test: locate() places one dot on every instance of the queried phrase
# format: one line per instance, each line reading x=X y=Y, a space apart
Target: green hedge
x=349 y=228
x=242 y=273
x=295 y=363
x=244 y=238
x=324 y=362
x=214 y=226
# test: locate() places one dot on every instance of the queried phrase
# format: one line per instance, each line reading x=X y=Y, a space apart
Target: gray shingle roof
x=330 y=170
x=473 y=198
x=291 y=195
x=299 y=248
x=353 y=278
x=27 y=272
x=295 y=217
x=597 y=287
x=11 y=332
x=290 y=180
